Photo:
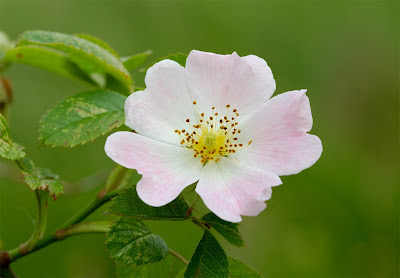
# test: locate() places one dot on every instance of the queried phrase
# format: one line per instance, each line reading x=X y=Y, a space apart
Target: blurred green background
x=337 y=219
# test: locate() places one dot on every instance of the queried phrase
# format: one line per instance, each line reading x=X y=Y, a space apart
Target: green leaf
x=41 y=178
x=8 y=149
x=129 y=204
x=180 y=58
x=90 y=56
x=167 y=268
x=54 y=187
x=131 y=243
x=241 y=270
x=82 y=118
x=228 y=230
x=97 y=41
x=136 y=60
x=48 y=59
x=209 y=259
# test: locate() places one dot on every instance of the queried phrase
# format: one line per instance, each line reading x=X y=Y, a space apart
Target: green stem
x=41 y=223
x=178 y=256
x=77 y=229
x=68 y=227
x=97 y=202
x=84 y=228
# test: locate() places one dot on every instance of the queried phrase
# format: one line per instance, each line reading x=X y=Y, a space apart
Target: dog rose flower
x=213 y=122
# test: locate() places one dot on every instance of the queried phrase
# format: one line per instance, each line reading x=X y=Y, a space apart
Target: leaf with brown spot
x=41 y=178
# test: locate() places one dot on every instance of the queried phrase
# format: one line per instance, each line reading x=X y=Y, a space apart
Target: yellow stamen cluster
x=213 y=135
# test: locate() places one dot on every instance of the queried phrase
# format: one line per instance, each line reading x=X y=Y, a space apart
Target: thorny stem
x=178 y=256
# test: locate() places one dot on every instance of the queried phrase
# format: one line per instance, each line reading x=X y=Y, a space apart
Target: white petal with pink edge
x=278 y=130
x=230 y=189
x=245 y=83
x=166 y=169
x=164 y=106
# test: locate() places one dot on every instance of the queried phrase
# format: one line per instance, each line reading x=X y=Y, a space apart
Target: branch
x=178 y=256
x=77 y=229
x=97 y=202
x=41 y=222
x=69 y=228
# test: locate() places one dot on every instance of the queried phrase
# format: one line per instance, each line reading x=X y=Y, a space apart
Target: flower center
x=213 y=135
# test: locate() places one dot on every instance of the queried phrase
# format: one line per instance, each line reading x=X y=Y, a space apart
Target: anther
x=187 y=120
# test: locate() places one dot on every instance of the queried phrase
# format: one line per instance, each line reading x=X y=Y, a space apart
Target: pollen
x=210 y=139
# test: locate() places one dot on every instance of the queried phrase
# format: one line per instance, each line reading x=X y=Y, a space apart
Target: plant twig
x=77 y=229
x=68 y=228
x=41 y=222
x=178 y=256
x=97 y=202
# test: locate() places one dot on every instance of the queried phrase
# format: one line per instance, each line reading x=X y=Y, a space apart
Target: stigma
x=214 y=134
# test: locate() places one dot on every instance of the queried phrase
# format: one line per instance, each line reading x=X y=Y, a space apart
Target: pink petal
x=166 y=169
x=163 y=106
x=230 y=189
x=278 y=129
x=217 y=80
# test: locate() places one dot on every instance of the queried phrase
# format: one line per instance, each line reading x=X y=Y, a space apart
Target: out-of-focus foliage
x=336 y=219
